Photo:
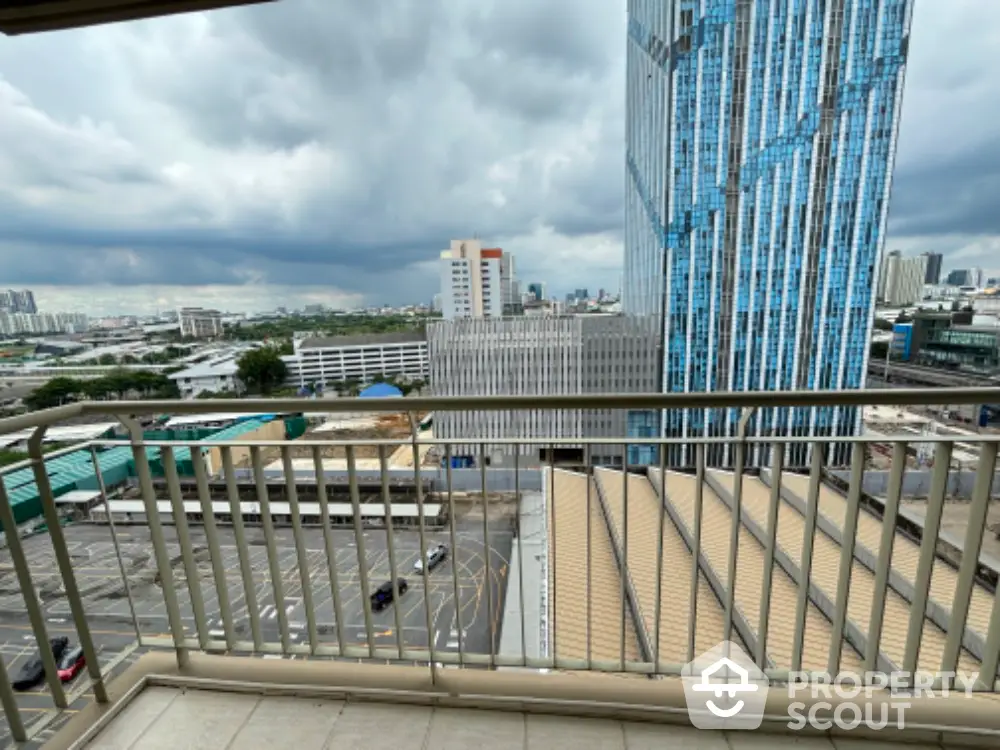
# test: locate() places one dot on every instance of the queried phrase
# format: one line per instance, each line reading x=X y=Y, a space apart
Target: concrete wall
x=917 y=483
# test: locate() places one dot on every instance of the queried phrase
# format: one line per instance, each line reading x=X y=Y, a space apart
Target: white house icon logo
x=725 y=667
x=724 y=689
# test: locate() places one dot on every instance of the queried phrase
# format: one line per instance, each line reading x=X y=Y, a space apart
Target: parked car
x=435 y=556
x=382 y=596
x=71 y=663
x=33 y=671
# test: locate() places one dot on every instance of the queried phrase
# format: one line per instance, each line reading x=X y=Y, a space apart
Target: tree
x=261 y=369
x=881 y=324
x=879 y=349
x=106 y=359
x=54 y=393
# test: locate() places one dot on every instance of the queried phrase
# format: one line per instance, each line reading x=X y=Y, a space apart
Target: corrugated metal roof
x=716 y=520
x=675 y=570
x=569 y=556
x=905 y=554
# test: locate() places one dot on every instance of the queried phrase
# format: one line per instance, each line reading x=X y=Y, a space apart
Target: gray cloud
x=308 y=143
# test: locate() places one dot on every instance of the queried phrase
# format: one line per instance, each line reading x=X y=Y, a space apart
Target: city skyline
x=139 y=183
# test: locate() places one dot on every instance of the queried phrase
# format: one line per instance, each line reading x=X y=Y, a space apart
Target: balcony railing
x=268 y=547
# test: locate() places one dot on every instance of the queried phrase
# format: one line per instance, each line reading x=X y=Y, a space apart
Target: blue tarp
x=380 y=390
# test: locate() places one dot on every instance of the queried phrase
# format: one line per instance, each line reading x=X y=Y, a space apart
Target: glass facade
x=760 y=141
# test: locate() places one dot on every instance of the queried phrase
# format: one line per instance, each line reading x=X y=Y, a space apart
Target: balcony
x=32 y=16
x=222 y=588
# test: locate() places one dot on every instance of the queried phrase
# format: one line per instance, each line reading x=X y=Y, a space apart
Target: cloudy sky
x=318 y=151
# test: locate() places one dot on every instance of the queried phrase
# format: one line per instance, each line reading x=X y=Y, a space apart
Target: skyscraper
x=476 y=281
x=761 y=136
x=933 y=275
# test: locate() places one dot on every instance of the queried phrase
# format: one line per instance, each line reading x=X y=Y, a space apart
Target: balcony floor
x=172 y=718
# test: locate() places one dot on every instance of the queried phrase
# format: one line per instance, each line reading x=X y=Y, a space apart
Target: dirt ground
x=388 y=427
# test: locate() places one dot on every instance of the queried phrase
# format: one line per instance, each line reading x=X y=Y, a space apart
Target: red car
x=71 y=663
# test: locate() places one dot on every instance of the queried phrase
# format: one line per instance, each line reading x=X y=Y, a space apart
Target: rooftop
x=363 y=339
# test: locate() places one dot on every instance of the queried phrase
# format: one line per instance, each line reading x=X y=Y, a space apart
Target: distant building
x=537 y=289
x=335 y=359
x=15 y=301
x=510 y=289
x=966 y=277
x=437 y=303
x=933 y=273
x=968 y=347
x=582 y=294
x=539 y=356
x=13 y=323
x=471 y=281
x=212 y=376
x=199 y=322
x=903 y=278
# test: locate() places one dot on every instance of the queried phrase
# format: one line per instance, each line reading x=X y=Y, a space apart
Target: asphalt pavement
x=465 y=595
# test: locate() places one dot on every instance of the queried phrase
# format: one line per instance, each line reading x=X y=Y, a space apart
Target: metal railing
x=575 y=573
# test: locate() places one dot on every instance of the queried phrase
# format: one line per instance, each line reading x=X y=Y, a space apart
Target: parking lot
x=474 y=618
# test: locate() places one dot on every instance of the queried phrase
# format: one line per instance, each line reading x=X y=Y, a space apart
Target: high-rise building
x=471 y=284
x=902 y=279
x=965 y=277
x=537 y=288
x=538 y=356
x=760 y=136
x=933 y=275
x=18 y=301
x=957 y=277
x=510 y=289
x=582 y=294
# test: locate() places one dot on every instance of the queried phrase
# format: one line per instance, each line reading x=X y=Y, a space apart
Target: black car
x=382 y=596
x=33 y=670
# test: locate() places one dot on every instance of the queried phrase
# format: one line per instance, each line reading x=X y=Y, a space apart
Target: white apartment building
x=199 y=322
x=327 y=361
x=539 y=356
x=12 y=323
x=472 y=280
x=902 y=281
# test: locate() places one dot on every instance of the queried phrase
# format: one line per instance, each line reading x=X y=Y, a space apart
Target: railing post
x=737 y=521
x=102 y=489
x=35 y=614
x=73 y=597
x=163 y=567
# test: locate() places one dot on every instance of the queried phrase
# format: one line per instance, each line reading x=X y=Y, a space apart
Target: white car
x=435 y=555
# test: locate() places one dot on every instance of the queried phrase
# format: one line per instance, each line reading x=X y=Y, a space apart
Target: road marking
x=57 y=619
x=217 y=633
x=452 y=644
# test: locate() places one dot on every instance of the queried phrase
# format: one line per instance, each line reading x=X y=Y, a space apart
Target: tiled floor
x=175 y=719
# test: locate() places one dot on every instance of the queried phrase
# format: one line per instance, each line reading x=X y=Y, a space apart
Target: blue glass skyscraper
x=760 y=137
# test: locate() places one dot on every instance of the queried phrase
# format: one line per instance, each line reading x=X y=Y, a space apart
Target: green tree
x=879 y=350
x=54 y=393
x=106 y=359
x=881 y=324
x=261 y=369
